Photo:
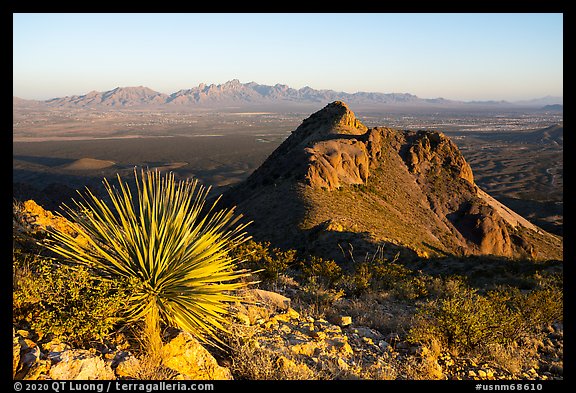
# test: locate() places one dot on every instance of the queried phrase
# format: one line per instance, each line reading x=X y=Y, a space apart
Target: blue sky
x=457 y=56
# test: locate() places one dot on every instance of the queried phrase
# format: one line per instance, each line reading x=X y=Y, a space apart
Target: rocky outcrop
x=185 y=355
x=341 y=348
x=80 y=364
x=31 y=217
x=182 y=357
x=408 y=188
x=431 y=153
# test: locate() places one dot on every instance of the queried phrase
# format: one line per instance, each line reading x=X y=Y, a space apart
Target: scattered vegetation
x=59 y=301
x=267 y=263
x=464 y=320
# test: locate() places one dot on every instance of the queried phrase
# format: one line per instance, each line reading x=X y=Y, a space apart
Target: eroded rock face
x=188 y=357
x=337 y=162
x=80 y=364
x=432 y=153
x=37 y=219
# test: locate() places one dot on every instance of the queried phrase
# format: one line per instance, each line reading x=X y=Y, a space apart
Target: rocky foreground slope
x=336 y=182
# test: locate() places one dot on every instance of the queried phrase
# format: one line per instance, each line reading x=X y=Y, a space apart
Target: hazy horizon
x=467 y=57
x=244 y=82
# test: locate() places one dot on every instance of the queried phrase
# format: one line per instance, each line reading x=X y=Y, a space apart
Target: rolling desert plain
x=516 y=154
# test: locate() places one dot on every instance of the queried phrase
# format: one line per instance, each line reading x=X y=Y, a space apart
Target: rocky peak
x=334 y=119
x=432 y=153
x=338 y=118
x=418 y=182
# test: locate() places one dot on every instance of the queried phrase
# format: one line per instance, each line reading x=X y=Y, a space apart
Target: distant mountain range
x=234 y=94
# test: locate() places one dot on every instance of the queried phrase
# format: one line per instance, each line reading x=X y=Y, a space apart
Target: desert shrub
x=266 y=262
x=466 y=320
x=381 y=274
x=72 y=304
x=462 y=320
x=319 y=297
x=411 y=288
x=360 y=280
x=326 y=272
x=173 y=247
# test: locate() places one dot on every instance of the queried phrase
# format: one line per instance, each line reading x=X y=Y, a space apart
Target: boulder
x=27 y=357
x=345 y=320
x=188 y=357
x=128 y=367
x=271 y=299
x=80 y=364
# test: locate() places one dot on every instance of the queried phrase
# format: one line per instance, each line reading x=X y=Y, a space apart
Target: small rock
x=402 y=345
x=383 y=345
x=367 y=332
x=319 y=335
x=345 y=321
x=333 y=329
x=281 y=318
x=293 y=313
x=341 y=345
x=309 y=348
x=272 y=299
x=482 y=374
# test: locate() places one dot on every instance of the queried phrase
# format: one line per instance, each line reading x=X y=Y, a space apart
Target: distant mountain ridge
x=236 y=94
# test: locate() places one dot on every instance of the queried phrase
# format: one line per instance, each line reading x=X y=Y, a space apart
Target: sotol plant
x=174 y=250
